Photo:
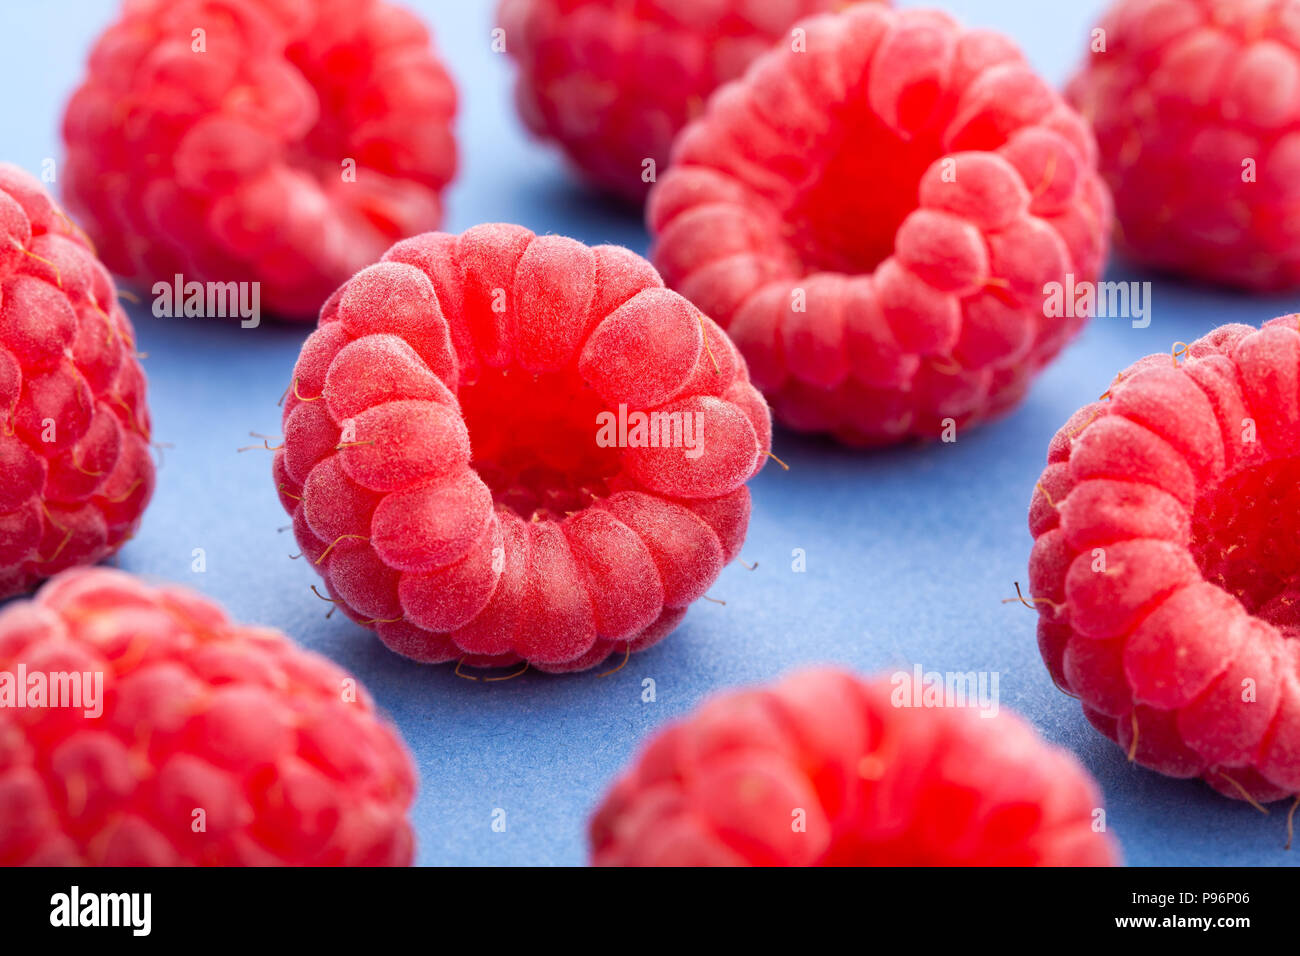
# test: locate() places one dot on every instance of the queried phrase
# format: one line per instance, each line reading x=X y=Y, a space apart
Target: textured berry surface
x=293 y=149
x=443 y=456
x=613 y=82
x=874 y=784
x=75 y=467
x=1165 y=562
x=1196 y=107
x=281 y=751
x=874 y=220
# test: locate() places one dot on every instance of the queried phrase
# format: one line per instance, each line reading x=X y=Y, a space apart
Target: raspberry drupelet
x=457 y=467
x=612 y=82
x=283 y=142
x=874 y=218
x=75 y=465
x=1196 y=108
x=185 y=739
x=824 y=769
x=1165 y=560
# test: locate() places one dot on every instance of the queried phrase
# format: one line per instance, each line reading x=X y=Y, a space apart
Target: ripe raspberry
x=613 y=82
x=288 y=143
x=1196 y=107
x=280 y=750
x=446 y=469
x=873 y=784
x=1164 y=561
x=75 y=469
x=791 y=216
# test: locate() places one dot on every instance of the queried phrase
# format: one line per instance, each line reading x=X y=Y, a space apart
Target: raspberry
x=1196 y=107
x=209 y=742
x=823 y=769
x=292 y=149
x=75 y=469
x=443 y=456
x=1164 y=561
x=791 y=216
x=613 y=82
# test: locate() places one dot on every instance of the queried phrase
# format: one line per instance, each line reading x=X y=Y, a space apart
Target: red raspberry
x=297 y=145
x=281 y=751
x=872 y=783
x=1196 y=106
x=75 y=469
x=444 y=462
x=791 y=216
x=612 y=82
x=1166 y=531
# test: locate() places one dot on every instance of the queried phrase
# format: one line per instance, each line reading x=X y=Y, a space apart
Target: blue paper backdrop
x=909 y=552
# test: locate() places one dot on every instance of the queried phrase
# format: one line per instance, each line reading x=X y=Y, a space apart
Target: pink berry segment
x=874 y=217
x=613 y=82
x=825 y=769
x=1196 y=107
x=75 y=466
x=1164 y=561
x=277 y=141
x=463 y=461
x=183 y=738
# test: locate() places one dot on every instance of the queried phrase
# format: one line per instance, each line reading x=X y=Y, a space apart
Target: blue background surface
x=909 y=552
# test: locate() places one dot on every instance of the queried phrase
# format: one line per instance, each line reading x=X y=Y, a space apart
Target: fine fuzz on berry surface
x=208 y=742
x=451 y=468
x=1196 y=108
x=278 y=141
x=874 y=220
x=824 y=769
x=1165 y=561
x=75 y=467
x=613 y=82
